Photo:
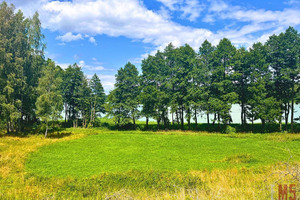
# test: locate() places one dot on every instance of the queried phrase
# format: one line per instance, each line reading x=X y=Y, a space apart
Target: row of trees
x=32 y=87
x=263 y=80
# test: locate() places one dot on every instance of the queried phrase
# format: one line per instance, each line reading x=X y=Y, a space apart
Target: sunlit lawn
x=121 y=152
x=104 y=164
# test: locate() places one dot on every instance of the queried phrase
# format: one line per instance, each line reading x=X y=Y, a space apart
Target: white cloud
x=63 y=65
x=171 y=4
x=92 y=68
x=130 y=18
x=208 y=18
x=93 y=40
x=29 y=7
x=127 y=18
x=190 y=9
x=218 y=6
x=108 y=86
x=287 y=17
x=107 y=81
x=292 y=2
x=68 y=37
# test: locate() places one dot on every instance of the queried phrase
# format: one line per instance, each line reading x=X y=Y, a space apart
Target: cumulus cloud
x=130 y=18
x=93 y=67
x=92 y=40
x=191 y=9
x=220 y=9
x=68 y=37
x=107 y=81
x=63 y=65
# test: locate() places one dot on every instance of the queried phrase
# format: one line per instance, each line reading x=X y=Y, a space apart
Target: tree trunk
x=133 y=119
x=219 y=125
x=280 y=123
x=147 y=122
x=94 y=115
x=252 y=123
x=196 y=122
x=91 y=119
x=245 y=116
x=207 y=116
x=65 y=112
x=242 y=114
x=286 y=115
x=158 y=121
x=172 y=119
x=292 y=110
x=46 y=129
x=178 y=116
x=182 y=119
x=163 y=119
x=215 y=118
x=7 y=127
x=189 y=118
x=263 y=122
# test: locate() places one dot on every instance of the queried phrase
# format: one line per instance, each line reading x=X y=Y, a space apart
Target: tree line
x=33 y=88
x=263 y=80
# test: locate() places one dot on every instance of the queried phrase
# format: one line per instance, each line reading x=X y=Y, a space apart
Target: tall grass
x=16 y=183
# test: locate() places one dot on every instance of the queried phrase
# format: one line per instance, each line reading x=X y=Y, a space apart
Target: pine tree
x=97 y=97
x=123 y=100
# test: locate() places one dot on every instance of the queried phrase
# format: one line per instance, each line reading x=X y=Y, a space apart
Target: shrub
x=229 y=130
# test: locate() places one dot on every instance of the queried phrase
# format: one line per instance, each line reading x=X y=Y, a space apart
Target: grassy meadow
x=109 y=164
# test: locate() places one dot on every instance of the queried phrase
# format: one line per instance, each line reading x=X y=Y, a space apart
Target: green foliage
x=97 y=97
x=125 y=151
x=49 y=104
x=229 y=130
x=123 y=101
x=20 y=67
x=264 y=80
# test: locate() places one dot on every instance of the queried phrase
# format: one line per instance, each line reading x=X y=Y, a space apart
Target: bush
x=229 y=130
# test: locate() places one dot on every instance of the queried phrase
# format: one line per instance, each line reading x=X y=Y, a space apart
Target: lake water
x=235 y=114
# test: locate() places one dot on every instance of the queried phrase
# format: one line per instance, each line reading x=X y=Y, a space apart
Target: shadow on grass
x=57 y=135
x=53 y=132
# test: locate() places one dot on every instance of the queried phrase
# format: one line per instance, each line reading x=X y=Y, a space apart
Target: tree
x=203 y=72
x=49 y=104
x=184 y=65
x=13 y=49
x=97 y=97
x=170 y=54
x=73 y=79
x=284 y=59
x=33 y=66
x=123 y=100
x=84 y=101
x=222 y=94
x=241 y=77
x=148 y=89
x=292 y=73
x=155 y=81
x=261 y=104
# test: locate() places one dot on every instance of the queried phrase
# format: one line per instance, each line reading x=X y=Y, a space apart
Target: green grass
x=121 y=152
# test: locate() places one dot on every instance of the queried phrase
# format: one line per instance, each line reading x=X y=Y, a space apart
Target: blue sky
x=103 y=35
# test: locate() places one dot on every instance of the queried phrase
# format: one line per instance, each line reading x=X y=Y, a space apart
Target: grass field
x=121 y=152
x=103 y=164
